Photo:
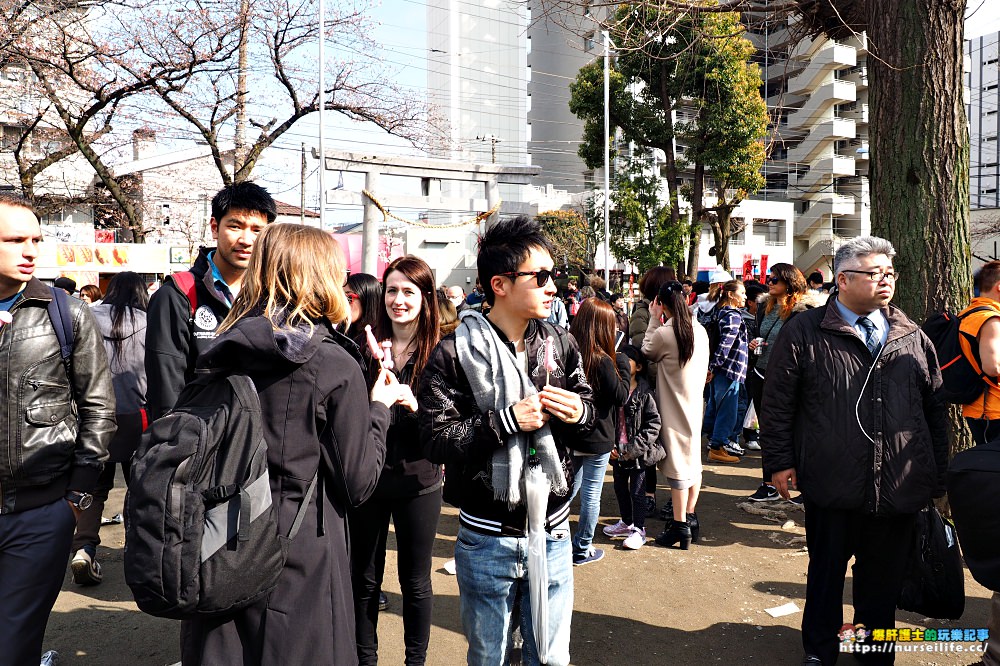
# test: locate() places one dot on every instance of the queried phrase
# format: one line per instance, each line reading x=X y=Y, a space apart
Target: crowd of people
x=507 y=403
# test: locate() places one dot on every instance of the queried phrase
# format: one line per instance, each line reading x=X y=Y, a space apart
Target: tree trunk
x=919 y=169
x=668 y=151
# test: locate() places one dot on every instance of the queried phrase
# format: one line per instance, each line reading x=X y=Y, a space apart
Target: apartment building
x=817 y=94
x=982 y=105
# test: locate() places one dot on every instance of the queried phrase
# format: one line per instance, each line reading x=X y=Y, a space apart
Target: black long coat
x=315 y=408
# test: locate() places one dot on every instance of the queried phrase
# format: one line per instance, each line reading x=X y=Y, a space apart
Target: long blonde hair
x=296 y=276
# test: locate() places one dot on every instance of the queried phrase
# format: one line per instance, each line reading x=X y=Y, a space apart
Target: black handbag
x=934 y=585
x=974 y=494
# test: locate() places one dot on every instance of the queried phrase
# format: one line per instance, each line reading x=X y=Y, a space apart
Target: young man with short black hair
x=175 y=335
x=57 y=421
x=497 y=400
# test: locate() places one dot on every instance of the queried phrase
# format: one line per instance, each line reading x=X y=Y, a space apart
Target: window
x=773 y=231
x=588 y=42
x=992 y=87
x=737 y=231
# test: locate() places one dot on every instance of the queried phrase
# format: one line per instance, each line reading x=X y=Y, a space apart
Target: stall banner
x=104 y=257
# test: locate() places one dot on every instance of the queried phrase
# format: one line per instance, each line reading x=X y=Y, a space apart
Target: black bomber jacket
x=454 y=431
x=55 y=425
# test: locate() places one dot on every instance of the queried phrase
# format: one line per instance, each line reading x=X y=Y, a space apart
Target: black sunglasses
x=542 y=277
x=773 y=280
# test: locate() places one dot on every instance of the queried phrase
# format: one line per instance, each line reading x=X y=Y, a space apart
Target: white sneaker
x=86 y=570
x=733 y=449
x=635 y=540
x=752 y=445
x=619 y=530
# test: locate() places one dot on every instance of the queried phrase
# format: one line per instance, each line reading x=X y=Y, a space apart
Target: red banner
x=747 y=267
x=763 y=267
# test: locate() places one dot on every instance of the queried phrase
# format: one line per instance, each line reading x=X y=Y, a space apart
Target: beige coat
x=679 y=395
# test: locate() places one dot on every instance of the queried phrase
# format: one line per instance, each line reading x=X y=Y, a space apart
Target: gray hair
x=852 y=250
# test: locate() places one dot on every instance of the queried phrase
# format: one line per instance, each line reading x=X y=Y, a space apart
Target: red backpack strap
x=185 y=282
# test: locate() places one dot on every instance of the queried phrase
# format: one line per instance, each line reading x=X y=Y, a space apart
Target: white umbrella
x=536 y=491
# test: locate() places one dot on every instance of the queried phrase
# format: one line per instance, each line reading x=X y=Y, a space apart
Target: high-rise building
x=477 y=78
x=817 y=94
x=982 y=105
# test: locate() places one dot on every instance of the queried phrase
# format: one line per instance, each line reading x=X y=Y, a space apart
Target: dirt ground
x=651 y=606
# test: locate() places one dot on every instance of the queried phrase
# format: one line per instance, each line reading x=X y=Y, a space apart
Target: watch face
x=86 y=500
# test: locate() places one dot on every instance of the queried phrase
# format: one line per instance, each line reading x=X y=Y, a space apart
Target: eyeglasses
x=542 y=277
x=876 y=276
x=773 y=280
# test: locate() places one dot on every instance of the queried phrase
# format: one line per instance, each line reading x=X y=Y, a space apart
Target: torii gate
x=431 y=172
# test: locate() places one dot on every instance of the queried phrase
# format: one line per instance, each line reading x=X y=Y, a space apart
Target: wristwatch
x=81 y=501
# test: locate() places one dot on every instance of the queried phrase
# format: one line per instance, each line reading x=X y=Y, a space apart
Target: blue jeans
x=588 y=481
x=723 y=408
x=492 y=573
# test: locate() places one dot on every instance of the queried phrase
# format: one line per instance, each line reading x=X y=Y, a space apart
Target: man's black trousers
x=34 y=549
x=881 y=548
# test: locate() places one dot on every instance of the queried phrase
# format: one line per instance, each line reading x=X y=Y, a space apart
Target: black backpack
x=962 y=383
x=201 y=535
x=974 y=495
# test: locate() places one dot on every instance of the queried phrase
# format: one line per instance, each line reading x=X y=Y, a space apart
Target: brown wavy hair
x=795 y=287
x=594 y=328
x=428 y=332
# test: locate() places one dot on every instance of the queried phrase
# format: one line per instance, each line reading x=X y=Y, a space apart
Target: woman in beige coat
x=679 y=347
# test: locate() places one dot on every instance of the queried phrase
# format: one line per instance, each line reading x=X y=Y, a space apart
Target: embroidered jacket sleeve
x=452 y=427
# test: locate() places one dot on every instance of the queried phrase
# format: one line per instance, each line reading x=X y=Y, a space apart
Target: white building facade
x=982 y=105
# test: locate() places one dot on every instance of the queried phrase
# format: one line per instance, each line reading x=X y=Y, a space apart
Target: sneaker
x=86 y=569
x=733 y=449
x=635 y=540
x=751 y=445
x=593 y=555
x=797 y=500
x=383 y=601
x=720 y=455
x=619 y=530
x=765 y=493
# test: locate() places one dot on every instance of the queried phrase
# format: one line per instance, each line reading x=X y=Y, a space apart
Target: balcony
x=835 y=204
x=858 y=114
x=818 y=107
x=819 y=140
x=835 y=57
x=822 y=172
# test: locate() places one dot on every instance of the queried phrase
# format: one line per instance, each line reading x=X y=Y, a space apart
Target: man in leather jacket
x=850 y=416
x=174 y=334
x=57 y=421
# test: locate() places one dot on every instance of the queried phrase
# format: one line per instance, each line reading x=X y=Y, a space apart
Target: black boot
x=676 y=532
x=695 y=526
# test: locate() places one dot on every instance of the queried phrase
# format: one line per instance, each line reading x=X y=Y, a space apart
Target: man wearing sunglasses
x=871 y=457
x=503 y=395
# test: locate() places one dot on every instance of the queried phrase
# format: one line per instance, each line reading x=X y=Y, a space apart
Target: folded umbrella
x=536 y=490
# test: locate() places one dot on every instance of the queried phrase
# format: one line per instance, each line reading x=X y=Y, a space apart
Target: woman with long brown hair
x=787 y=293
x=594 y=328
x=409 y=488
x=317 y=423
x=679 y=346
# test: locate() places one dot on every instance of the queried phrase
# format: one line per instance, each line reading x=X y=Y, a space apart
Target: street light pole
x=607 y=161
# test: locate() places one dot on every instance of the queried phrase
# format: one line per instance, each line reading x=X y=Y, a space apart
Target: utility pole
x=302 y=187
x=493 y=147
x=322 y=108
x=240 y=142
x=607 y=165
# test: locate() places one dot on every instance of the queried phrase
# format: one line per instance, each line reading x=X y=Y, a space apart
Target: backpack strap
x=973 y=342
x=62 y=322
x=185 y=282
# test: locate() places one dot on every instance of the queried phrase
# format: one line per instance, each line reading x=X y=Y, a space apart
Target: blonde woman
x=317 y=417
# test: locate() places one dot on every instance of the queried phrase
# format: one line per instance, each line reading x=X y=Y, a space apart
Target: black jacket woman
x=316 y=416
x=409 y=489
